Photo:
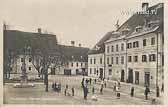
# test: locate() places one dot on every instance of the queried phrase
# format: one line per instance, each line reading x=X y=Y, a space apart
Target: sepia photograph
x=83 y=52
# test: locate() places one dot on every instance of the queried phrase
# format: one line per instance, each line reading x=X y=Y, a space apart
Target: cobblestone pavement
x=37 y=94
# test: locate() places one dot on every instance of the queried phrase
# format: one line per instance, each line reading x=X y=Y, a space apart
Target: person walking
x=118 y=92
x=132 y=91
x=85 y=89
x=101 y=89
x=146 y=92
x=73 y=91
x=90 y=81
x=95 y=80
x=66 y=89
x=93 y=90
x=162 y=89
x=114 y=88
x=82 y=83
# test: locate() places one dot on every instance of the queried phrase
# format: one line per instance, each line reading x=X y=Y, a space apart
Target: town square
x=123 y=65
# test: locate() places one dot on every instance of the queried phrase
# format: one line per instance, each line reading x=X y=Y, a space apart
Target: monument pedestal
x=23 y=83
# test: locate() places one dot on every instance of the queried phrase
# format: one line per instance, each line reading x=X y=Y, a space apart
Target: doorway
x=122 y=75
x=147 y=79
x=130 y=76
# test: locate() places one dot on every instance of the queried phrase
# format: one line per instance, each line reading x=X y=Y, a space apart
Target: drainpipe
x=156 y=62
x=104 y=64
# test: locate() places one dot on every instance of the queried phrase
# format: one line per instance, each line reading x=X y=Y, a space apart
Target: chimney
x=145 y=6
x=39 y=30
x=80 y=45
x=73 y=43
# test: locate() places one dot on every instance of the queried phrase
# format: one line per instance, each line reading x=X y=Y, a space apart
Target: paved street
x=37 y=94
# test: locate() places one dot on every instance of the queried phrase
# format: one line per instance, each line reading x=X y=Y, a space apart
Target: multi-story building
x=141 y=59
x=74 y=60
x=96 y=58
x=22 y=46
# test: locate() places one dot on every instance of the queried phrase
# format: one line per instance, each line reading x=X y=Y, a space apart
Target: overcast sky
x=84 y=21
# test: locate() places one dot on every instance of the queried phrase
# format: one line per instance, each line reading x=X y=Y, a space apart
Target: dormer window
x=125 y=31
x=152 y=23
x=138 y=29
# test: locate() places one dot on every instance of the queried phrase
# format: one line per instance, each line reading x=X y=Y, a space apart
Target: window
x=94 y=61
x=77 y=64
x=122 y=59
x=122 y=47
x=152 y=57
x=90 y=70
x=94 y=70
x=112 y=48
x=135 y=58
x=30 y=59
x=72 y=64
x=90 y=61
x=101 y=61
x=29 y=68
x=117 y=48
x=144 y=58
x=116 y=60
x=107 y=49
x=129 y=45
x=108 y=60
x=112 y=60
x=144 y=42
x=153 y=41
x=21 y=59
x=135 y=44
x=129 y=59
x=110 y=72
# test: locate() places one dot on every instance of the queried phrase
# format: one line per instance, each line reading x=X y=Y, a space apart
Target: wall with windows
x=96 y=65
x=115 y=58
x=142 y=58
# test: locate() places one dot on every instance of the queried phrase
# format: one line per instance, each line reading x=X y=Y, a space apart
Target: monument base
x=23 y=85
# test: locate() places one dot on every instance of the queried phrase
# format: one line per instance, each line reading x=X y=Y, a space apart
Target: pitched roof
x=72 y=53
x=15 y=41
x=100 y=47
x=141 y=19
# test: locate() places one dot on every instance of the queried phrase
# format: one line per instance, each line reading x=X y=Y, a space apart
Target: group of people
x=56 y=86
x=69 y=92
x=116 y=89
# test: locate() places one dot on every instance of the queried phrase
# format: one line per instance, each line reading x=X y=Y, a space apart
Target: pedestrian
x=73 y=91
x=114 y=88
x=162 y=89
x=93 y=90
x=85 y=90
x=95 y=80
x=146 y=92
x=82 y=83
x=132 y=91
x=101 y=89
x=118 y=83
x=118 y=92
x=105 y=84
x=157 y=91
x=90 y=81
x=66 y=89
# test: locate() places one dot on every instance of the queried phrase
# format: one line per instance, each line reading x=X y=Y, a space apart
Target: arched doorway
x=122 y=75
x=130 y=76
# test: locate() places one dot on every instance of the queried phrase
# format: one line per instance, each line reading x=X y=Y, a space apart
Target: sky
x=83 y=21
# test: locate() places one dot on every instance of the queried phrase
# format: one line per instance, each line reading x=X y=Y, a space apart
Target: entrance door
x=130 y=76
x=147 y=79
x=67 y=72
x=122 y=75
x=136 y=77
x=101 y=73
